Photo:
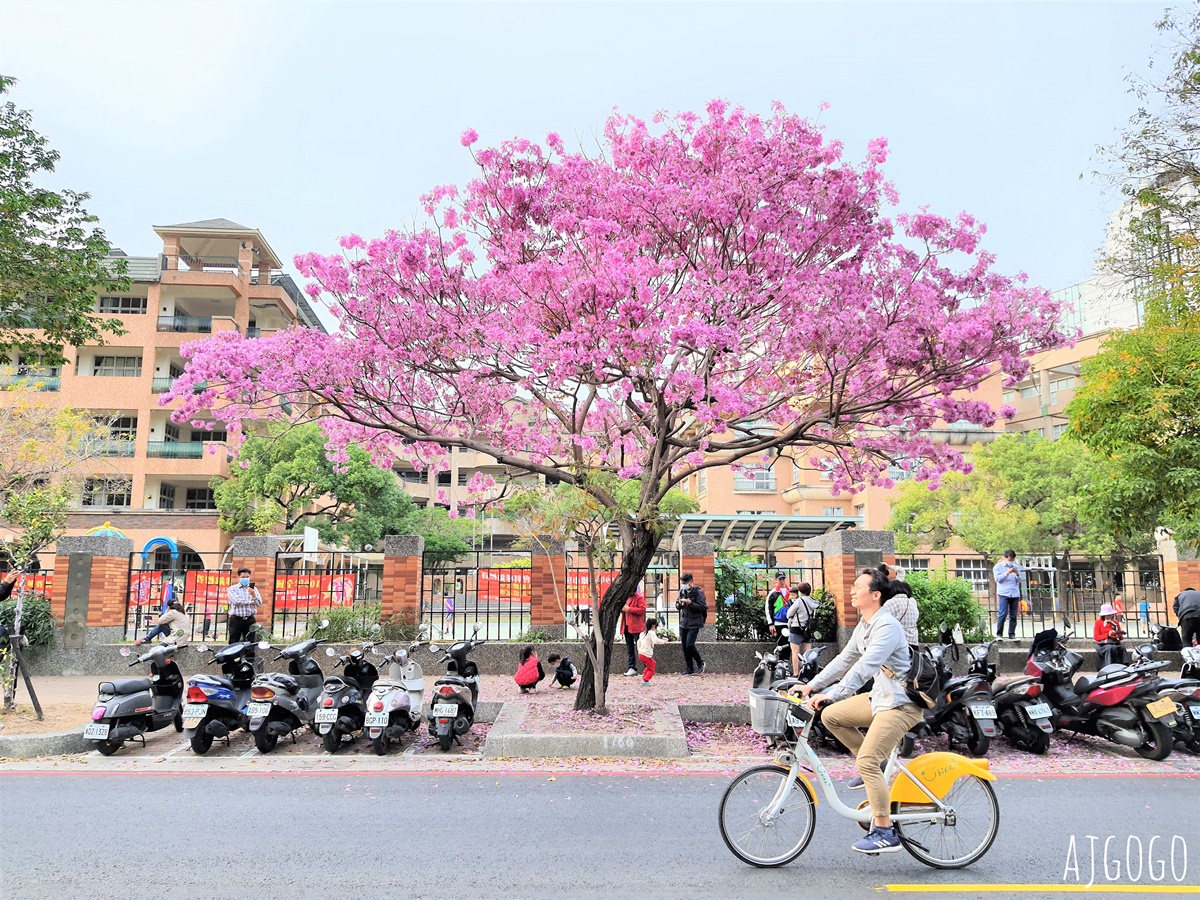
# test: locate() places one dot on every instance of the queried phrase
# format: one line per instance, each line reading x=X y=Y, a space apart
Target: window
x=912 y=564
x=1058 y=430
x=1009 y=396
x=108 y=492
x=125 y=306
x=123 y=429
x=832 y=511
x=411 y=476
x=703 y=483
x=216 y=436
x=118 y=366
x=443 y=479
x=174 y=371
x=1032 y=390
x=976 y=571
x=199 y=498
x=860 y=510
x=34 y=365
x=463 y=478
x=170 y=432
x=1061 y=384
x=166 y=496
x=754 y=478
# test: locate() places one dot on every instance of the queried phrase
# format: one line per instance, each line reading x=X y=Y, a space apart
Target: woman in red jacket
x=530 y=673
x=1108 y=635
x=633 y=623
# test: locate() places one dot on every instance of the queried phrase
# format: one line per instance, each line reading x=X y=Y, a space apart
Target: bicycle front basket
x=768 y=712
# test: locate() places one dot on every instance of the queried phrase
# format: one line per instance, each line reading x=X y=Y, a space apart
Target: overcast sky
x=311 y=120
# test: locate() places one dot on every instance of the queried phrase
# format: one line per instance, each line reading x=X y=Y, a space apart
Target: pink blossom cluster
x=635 y=310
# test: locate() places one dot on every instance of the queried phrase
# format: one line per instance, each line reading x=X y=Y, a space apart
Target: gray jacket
x=1187 y=603
x=873 y=645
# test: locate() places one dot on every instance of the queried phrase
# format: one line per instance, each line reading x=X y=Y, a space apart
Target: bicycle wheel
x=976 y=821
x=752 y=839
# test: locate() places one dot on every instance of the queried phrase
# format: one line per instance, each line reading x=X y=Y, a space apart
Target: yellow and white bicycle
x=943 y=805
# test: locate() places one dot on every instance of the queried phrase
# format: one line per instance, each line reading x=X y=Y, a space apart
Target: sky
x=310 y=120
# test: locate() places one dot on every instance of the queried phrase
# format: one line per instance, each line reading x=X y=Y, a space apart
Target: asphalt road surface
x=445 y=835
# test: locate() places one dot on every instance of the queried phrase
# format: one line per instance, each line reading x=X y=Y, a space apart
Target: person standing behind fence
x=693 y=610
x=1007 y=574
x=244 y=601
x=633 y=623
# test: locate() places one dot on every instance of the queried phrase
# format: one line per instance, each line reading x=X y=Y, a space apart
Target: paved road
x=445 y=835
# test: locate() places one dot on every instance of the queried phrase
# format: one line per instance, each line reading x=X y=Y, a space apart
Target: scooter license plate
x=1160 y=708
x=445 y=710
x=254 y=710
x=96 y=732
x=377 y=719
x=195 y=711
x=1039 y=711
x=1196 y=713
x=983 y=710
x=324 y=716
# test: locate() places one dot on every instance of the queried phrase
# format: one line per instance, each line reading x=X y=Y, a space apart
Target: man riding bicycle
x=877 y=649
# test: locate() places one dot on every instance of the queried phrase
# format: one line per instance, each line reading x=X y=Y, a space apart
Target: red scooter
x=1120 y=703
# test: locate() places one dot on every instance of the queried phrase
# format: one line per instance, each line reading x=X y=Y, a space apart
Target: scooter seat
x=1086 y=685
x=119 y=686
x=452 y=679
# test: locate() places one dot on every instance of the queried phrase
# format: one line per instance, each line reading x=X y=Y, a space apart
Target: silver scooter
x=397 y=702
x=282 y=704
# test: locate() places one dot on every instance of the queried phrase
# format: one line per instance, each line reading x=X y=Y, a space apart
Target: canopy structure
x=760 y=531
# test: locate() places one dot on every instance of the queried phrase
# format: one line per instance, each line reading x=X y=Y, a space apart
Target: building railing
x=753 y=484
x=175 y=449
x=227 y=264
x=161 y=384
x=32 y=382
x=114 y=448
x=253 y=332
x=191 y=324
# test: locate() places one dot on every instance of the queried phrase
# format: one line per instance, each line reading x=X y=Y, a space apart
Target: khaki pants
x=846 y=718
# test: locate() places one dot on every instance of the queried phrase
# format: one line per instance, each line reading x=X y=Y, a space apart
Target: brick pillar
x=402 y=578
x=548 y=569
x=1181 y=570
x=845 y=555
x=257 y=553
x=108 y=587
x=696 y=558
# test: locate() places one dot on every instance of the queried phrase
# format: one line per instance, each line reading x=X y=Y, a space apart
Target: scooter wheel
x=380 y=745
x=331 y=740
x=201 y=741
x=1161 y=742
x=107 y=748
x=1039 y=743
x=978 y=742
x=265 y=740
x=907 y=744
x=444 y=741
x=178 y=722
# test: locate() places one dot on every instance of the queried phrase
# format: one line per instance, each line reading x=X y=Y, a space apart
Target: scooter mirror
x=477 y=626
x=330 y=652
x=323 y=624
x=434 y=648
x=264 y=645
x=376 y=628
x=124 y=651
x=201 y=648
x=424 y=629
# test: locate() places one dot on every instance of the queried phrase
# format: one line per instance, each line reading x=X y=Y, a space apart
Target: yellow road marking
x=1096 y=888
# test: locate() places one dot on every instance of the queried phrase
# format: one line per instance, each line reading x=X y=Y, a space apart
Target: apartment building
x=153 y=477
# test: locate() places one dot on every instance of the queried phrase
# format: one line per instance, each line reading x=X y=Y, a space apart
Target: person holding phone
x=1007 y=575
x=244 y=601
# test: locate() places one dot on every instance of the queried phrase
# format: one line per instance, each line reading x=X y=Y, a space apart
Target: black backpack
x=1168 y=639
x=921 y=683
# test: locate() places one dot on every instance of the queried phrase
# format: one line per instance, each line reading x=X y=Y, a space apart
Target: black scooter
x=809 y=667
x=964 y=711
x=127 y=708
x=1185 y=694
x=342 y=709
x=216 y=705
x=283 y=704
x=455 y=694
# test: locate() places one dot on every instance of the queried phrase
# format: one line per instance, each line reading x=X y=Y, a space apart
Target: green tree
x=446 y=540
x=52 y=262
x=1026 y=493
x=285 y=478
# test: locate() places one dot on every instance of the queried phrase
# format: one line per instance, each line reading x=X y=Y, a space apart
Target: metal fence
x=310 y=586
x=492 y=589
x=202 y=591
x=1054 y=587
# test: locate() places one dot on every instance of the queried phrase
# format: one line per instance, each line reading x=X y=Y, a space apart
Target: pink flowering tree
x=703 y=291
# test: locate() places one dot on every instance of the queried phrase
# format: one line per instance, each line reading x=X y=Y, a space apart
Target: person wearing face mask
x=244 y=601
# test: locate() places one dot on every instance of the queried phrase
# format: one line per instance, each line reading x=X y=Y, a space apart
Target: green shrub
x=531 y=637
x=825 y=619
x=347 y=623
x=37 y=621
x=741 y=620
x=946 y=601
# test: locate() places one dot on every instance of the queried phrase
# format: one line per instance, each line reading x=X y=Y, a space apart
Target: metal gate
x=326 y=584
x=492 y=589
x=202 y=591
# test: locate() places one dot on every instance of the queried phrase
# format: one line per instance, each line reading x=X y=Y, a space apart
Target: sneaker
x=631 y=673
x=879 y=840
x=687 y=673
x=857 y=784
x=643 y=682
x=703 y=668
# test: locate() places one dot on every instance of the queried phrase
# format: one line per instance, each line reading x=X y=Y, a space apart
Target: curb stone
x=506 y=739
x=28 y=746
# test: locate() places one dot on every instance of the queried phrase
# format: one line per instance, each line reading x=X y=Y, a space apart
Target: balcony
x=175 y=450
x=253 y=332
x=114 y=447
x=161 y=384
x=31 y=382
x=224 y=264
x=741 y=483
x=189 y=324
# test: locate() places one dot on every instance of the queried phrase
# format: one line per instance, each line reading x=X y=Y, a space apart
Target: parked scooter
x=772 y=666
x=342 y=709
x=964 y=711
x=127 y=708
x=1191 y=662
x=216 y=705
x=1185 y=694
x=397 y=702
x=1120 y=703
x=455 y=694
x=809 y=667
x=282 y=704
x=1025 y=719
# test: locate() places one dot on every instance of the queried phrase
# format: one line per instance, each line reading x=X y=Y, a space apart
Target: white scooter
x=397 y=702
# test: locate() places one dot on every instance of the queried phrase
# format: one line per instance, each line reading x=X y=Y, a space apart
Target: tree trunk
x=635 y=560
